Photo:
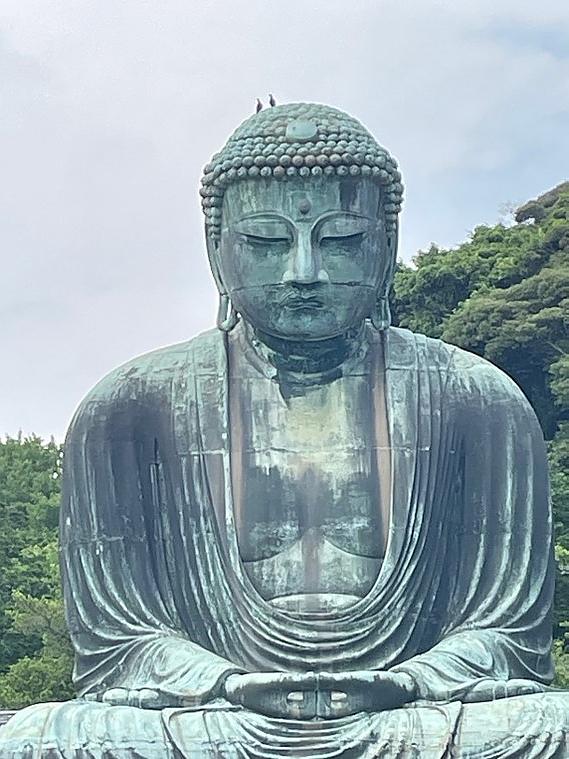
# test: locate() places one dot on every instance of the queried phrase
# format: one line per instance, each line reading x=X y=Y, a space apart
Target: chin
x=306 y=335
x=301 y=328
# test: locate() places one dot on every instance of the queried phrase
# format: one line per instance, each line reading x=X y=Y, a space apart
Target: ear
x=212 y=247
x=387 y=257
x=381 y=314
x=392 y=238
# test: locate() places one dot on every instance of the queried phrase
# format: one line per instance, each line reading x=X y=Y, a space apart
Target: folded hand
x=323 y=695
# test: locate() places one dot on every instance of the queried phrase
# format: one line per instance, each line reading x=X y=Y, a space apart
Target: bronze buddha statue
x=304 y=533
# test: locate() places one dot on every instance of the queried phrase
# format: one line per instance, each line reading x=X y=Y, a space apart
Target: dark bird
x=272 y=101
x=259 y=106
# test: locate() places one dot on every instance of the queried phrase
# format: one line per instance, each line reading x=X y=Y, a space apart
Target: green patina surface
x=305 y=532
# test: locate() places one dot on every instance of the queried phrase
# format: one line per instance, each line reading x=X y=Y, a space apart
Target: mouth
x=299 y=303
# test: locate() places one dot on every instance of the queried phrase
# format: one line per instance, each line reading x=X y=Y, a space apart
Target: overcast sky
x=109 y=109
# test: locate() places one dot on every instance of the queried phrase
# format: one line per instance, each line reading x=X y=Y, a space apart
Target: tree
x=503 y=294
x=35 y=652
x=524 y=329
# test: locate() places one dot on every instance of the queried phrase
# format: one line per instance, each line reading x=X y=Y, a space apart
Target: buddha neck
x=296 y=364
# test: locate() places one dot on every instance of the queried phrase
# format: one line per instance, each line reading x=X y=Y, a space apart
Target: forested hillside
x=503 y=294
x=35 y=654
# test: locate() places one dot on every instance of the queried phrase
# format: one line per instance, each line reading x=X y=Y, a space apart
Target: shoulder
x=468 y=378
x=477 y=381
x=150 y=377
x=160 y=366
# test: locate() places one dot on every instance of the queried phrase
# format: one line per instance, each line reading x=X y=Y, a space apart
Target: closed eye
x=343 y=238
x=260 y=240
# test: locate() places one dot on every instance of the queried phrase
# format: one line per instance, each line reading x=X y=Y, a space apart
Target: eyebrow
x=275 y=215
x=341 y=212
x=260 y=215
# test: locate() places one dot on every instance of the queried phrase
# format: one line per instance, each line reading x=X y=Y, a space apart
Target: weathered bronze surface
x=304 y=533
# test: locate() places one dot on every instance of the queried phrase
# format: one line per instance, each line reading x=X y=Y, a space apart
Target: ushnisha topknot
x=299 y=139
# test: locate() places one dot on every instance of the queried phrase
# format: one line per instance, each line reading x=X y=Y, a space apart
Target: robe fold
x=157 y=597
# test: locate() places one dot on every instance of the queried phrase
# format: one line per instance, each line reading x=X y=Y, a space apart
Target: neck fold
x=301 y=363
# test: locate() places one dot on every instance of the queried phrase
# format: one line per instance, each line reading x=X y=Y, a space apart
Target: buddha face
x=303 y=259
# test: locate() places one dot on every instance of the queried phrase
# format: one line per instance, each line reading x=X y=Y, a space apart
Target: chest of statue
x=306 y=484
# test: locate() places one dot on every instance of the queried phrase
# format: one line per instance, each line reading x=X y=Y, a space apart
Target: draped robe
x=157 y=597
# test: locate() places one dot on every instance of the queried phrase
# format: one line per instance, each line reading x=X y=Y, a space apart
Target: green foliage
x=503 y=294
x=561 y=661
x=35 y=652
x=559 y=473
x=559 y=371
x=441 y=279
x=32 y=680
x=46 y=676
x=523 y=329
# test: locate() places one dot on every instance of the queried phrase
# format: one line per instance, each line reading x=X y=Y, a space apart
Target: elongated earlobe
x=227 y=316
x=381 y=314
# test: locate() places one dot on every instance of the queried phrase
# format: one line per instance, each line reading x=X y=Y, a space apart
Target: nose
x=304 y=266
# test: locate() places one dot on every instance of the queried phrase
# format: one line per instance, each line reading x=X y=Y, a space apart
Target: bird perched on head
x=259 y=106
x=272 y=101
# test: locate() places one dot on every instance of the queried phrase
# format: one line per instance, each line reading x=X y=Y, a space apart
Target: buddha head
x=301 y=209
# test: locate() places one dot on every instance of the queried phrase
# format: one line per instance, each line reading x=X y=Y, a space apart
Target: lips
x=298 y=303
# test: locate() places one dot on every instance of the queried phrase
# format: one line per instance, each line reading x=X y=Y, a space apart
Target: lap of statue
x=520 y=726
